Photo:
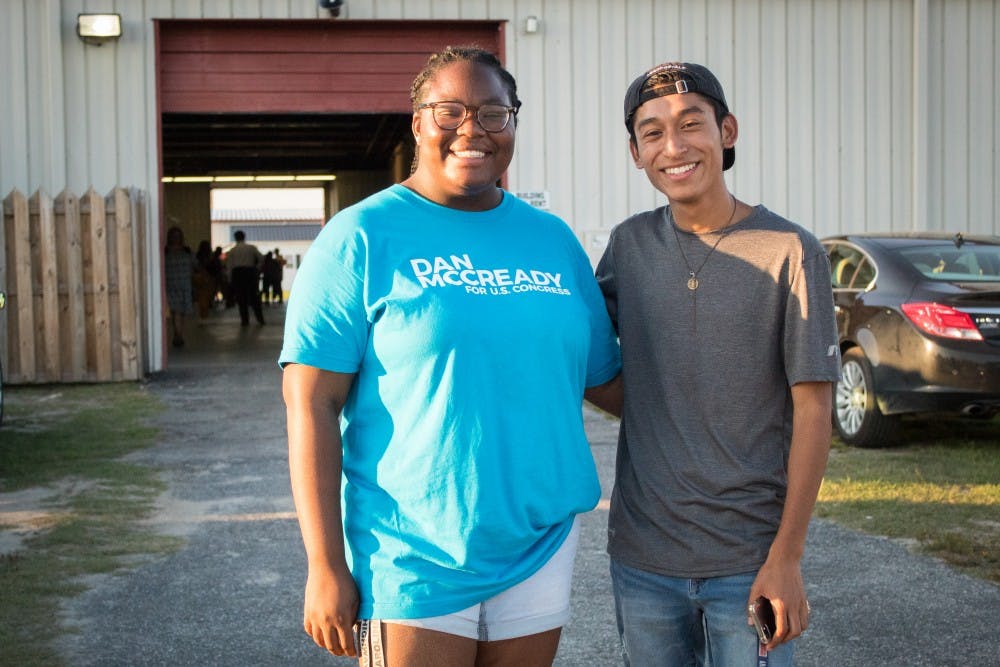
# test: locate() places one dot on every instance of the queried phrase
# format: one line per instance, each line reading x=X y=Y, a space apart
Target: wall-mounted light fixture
x=333 y=6
x=98 y=28
x=531 y=25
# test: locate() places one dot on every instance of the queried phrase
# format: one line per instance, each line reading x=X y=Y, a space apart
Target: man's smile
x=683 y=169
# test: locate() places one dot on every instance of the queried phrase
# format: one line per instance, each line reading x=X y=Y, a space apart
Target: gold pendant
x=692 y=283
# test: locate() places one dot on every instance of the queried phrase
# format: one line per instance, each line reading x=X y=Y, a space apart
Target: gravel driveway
x=232 y=595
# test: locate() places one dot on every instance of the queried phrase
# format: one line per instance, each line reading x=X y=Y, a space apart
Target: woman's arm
x=313 y=401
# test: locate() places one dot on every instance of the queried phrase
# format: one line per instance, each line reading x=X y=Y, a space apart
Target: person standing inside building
x=206 y=283
x=267 y=277
x=729 y=348
x=178 y=269
x=277 y=291
x=225 y=294
x=453 y=329
x=244 y=261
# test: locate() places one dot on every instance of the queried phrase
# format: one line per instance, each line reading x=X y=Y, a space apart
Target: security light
x=98 y=28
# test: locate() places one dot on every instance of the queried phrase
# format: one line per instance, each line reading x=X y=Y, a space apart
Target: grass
x=71 y=440
x=940 y=492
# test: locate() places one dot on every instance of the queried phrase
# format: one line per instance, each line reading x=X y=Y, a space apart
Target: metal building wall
x=854 y=114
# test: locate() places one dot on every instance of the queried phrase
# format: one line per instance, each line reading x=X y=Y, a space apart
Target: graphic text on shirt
x=459 y=271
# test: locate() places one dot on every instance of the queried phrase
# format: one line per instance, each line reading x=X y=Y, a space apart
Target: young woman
x=439 y=338
x=178 y=270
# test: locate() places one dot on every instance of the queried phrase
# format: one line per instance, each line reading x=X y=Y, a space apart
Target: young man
x=244 y=262
x=725 y=316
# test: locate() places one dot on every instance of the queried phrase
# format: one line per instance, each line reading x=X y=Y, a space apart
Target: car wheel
x=855 y=411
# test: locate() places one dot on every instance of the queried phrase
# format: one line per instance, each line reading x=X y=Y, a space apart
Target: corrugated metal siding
x=854 y=114
x=824 y=92
x=267 y=215
x=963 y=115
x=14 y=166
x=274 y=233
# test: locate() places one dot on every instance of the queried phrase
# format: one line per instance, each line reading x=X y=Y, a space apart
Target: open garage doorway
x=277 y=178
x=289 y=104
x=281 y=222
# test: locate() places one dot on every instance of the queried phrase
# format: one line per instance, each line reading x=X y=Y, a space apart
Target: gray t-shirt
x=703 y=450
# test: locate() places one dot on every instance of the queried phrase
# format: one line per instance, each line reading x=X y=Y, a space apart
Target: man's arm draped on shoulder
x=608 y=396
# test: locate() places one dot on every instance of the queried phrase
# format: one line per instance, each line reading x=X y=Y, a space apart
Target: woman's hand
x=331 y=608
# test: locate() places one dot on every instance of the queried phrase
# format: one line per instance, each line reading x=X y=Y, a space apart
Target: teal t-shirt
x=472 y=336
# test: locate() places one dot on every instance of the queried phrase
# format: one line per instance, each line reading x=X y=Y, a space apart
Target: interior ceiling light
x=274 y=178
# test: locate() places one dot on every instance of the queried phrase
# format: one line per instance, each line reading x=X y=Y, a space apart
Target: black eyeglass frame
x=511 y=113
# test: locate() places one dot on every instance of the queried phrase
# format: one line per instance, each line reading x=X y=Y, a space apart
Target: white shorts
x=537 y=604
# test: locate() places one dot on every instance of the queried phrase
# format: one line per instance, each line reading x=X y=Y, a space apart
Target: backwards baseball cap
x=682 y=78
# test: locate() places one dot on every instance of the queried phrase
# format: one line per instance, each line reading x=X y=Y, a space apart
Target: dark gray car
x=919 y=322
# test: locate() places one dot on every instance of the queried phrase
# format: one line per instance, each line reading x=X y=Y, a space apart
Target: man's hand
x=781 y=583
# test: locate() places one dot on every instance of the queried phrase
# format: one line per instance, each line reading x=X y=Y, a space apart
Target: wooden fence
x=72 y=268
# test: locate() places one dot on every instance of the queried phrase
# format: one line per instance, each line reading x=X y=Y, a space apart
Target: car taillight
x=940 y=320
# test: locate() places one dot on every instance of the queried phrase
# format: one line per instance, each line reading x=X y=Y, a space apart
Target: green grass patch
x=53 y=432
x=70 y=442
x=941 y=491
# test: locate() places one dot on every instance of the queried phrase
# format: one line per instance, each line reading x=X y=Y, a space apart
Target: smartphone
x=762 y=615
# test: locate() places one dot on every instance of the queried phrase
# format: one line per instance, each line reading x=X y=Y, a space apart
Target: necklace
x=692 y=281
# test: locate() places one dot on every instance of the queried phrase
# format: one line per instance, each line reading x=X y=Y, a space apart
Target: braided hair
x=457 y=54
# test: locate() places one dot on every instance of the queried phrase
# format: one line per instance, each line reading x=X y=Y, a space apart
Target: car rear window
x=946 y=261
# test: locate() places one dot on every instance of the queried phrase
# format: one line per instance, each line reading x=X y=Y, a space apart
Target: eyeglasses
x=451 y=115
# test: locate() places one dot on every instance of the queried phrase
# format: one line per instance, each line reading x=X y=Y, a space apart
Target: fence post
x=47 y=266
x=19 y=290
x=114 y=297
x=137 y=207
x=5 y=210
x=72 y=325
x=128 y=335
x=95 y=271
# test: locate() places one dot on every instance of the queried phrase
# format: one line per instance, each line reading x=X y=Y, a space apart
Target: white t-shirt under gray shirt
x=703 y=449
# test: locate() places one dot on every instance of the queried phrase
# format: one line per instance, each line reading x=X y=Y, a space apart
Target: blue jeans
x=678 y=622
